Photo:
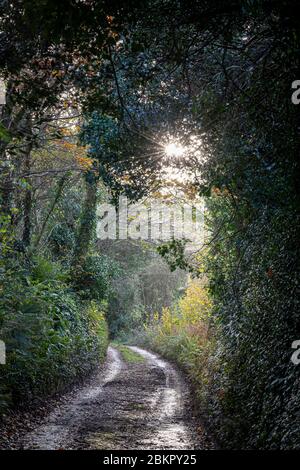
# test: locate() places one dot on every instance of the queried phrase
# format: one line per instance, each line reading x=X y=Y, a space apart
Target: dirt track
x=141 y=405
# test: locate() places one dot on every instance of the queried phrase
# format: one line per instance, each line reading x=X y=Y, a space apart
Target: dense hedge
x=253 y=398
x=52 y=337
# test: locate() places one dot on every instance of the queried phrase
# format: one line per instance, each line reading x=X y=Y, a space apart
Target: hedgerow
x=52 y=337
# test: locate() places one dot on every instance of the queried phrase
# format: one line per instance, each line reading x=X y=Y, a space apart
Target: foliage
x=92 y=280
x=51 y=336
x=184 y=334
x=254 y=393
x=43 y=270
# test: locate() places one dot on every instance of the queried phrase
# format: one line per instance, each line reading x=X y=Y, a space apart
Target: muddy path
x=127 y=405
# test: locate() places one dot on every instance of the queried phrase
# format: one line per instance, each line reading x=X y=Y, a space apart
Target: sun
x=173 y=149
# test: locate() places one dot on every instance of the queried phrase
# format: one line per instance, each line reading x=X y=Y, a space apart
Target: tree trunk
x=7 y=119
x=60 y=187
x=87 y=221
x=27 y=201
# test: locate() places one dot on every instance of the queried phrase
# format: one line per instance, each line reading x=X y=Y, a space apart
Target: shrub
x=92 y=279
x=52 y=336
x=45 y=270
x=184 y=334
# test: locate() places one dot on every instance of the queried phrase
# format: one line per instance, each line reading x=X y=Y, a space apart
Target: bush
x=52 y=336
x=254 y=280
x=184 y=334
x=43 y=270
x=92 y=279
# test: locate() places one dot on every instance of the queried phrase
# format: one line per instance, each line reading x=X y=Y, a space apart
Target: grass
x=127 y=354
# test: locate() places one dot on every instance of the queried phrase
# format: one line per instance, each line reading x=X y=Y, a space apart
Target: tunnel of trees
x=154 y=100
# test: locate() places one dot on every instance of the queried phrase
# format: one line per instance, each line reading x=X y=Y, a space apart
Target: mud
x=142 y=405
